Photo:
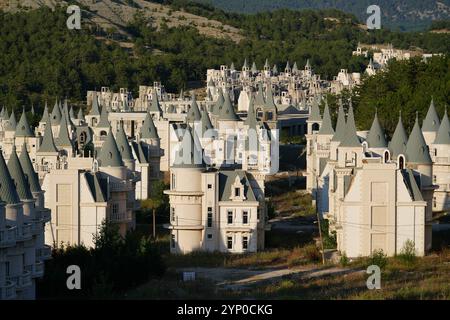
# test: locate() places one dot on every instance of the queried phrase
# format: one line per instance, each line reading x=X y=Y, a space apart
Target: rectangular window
x=245 y=243
x=173 y=181
x=172 y=214
x=434 y=179
x=209 y=186
x=230 y=243
x=172 y=241
x=209 y=236
x=210 y=217
x=230 y=217
x=115 y=208
x=245 y=217
x=237 y=192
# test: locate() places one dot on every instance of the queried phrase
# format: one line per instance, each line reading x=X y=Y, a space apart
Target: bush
x=408 y=253
x=378 y=258
x=344 y=261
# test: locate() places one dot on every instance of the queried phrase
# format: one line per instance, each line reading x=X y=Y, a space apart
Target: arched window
x=386 y=156
x=401 y=162
x=103 y=133
x=82 y=137
x=315 y=127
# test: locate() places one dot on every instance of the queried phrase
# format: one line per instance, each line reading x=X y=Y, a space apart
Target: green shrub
x=378 y=258
x=344 y=261
x=408 y=253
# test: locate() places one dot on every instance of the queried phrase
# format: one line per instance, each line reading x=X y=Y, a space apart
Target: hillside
x=114 y=15
x=396 y=14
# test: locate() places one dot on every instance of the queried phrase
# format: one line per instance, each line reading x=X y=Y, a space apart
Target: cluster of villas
x=95 y=167
x=379 y=194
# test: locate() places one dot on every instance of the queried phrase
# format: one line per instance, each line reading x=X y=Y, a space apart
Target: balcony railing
x=121 y=186
x=37 y=227
x=22 y=281
x=8 y=237
x=46 y=215
x=44 y=253
x=8 y=290
x=38 y=269
x=121 y=216
x=27 y=232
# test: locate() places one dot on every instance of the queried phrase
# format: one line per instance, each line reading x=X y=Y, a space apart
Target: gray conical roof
x=266 y=64
x=315 y=111
x=350 y=138
x=208 y=95
x=12 y=124
x=154 y=106
x=63 y=136
x=288 y=67
x=254 y=68
x=45 y=115
x=308 y=65
x=95 y=111
x=376 y=137
x=28 y=170
x=206 y=121
x=218 y=104
x=189 y=155
x=443 y=135
x=251 y=115
x=109 y=155
x=5 y=115
x=18 y=176
x=123 y=144
x=80 y=115
x=260 y=101
x=340 y=125
x=245 y=66
x=326 y=128
x=56 y=114
x=8 y=191
x=148 y=129
x=416 y=148
x=270 y=102
x=227 y=112
x=193 y=114
x=71 y=113
x=275 y=69
x=104 y=122
x=48 y=144
x=2 y=113
x=232 y=66
x=431 y=122
x=294 y=67
x=23 y=128
x=397 y=145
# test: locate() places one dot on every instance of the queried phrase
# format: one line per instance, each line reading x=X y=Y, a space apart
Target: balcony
x=22 y=281
x=39 y=269
x=8 y=237
x=37 y=227
x=8 y=290
x=121 y=186
x=44 y=253
x=121 y=216
x=27 y=233
x=46 y=215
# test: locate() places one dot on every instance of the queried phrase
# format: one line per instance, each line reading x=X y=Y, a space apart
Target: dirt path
x=237 y=279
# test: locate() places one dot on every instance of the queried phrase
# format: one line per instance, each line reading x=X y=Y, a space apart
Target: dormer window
x=237 y=192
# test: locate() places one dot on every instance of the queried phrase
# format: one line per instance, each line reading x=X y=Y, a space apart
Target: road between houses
x=237 y=279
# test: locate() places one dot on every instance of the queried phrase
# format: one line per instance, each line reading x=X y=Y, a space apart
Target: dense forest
x=42 y=59
x=397 y=14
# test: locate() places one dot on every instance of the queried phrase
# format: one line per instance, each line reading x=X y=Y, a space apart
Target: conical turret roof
x=8 y=191
x=104 y=122
x=254 y=68
x=376 y=137
x=109 y=153
x=217 y=106
x=12 y=124
x=270 y=102
x=28 y=170
x=326 y=128
x=123 y=144
x=189 y=155
x=48 y=144
x=56 y=115
x=206 y=121
x=431 y=122
x=350 y=138
x=275 y=69
x=148 y=129
x=399 y=139
x=251 y=120
x=416 y=148
x=315 y=111
x=63 y=136
x=45 y=115
x=18 y=176
x=23 y=128
x=260 y=101
x=443 y=135
x=227 y=112
x=155 y=107
x=193 y=114
x=340 y=125
x=80 y=115
x=95 y=111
